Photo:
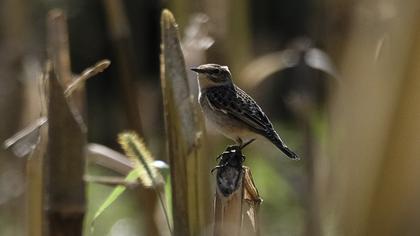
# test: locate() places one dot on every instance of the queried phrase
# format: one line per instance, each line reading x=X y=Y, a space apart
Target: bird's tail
x=282 y=146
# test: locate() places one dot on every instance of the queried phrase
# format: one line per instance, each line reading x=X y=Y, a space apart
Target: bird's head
x=212 y=75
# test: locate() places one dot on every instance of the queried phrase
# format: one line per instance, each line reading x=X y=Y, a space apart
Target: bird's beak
x=196 y=69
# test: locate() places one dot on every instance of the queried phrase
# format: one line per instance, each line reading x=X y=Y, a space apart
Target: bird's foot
x=243 y=145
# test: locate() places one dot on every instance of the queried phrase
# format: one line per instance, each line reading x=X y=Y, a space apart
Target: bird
x=231 y=111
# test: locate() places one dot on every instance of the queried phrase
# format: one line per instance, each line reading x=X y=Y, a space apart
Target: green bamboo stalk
x=184 y=129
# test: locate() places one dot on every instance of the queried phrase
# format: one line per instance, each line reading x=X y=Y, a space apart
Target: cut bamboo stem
x=64 y=194
x=229 y=194
x=237 y=200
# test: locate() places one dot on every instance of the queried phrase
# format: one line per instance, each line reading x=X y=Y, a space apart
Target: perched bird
x=233 y=112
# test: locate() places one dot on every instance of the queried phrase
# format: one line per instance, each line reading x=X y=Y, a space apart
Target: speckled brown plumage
x=233 y=112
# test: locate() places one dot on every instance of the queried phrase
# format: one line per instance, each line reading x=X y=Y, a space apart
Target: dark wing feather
x=235 y=102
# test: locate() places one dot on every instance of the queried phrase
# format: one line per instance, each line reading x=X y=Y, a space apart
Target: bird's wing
x=236 y=103
x=241 y=106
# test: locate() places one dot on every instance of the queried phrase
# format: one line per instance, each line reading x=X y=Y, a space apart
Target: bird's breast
x=223 y=122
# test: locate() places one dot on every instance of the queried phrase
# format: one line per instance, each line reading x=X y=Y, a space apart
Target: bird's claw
x=243 y=145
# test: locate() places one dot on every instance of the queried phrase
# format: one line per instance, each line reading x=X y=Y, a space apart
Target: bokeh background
x=339 y=79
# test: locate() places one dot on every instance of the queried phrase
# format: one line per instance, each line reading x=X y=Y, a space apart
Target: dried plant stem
x=58 y=45
x=64 y=190
x=237 y=200
x=190 y=194
x=64 y=166
x=228 y=213
x=34 y=171
x=86 y=74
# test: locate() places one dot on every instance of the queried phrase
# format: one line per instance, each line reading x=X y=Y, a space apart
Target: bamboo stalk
x=58 y=45
x=59 y=54
x=184 y=129
x=34 y=176
x=64 y=164
x=34 y=167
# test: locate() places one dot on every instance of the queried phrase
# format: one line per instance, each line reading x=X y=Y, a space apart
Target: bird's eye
x=215 y=71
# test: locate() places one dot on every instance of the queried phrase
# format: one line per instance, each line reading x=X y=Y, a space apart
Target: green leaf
x=131 y=177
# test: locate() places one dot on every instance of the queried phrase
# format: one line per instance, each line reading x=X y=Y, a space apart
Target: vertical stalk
x=184 y=129
x=34 y=169
x=34 y=175
x=64 y=164
x=58 y=46
x=120 y=34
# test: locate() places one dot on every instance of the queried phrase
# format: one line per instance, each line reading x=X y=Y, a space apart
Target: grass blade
x=131 y=177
